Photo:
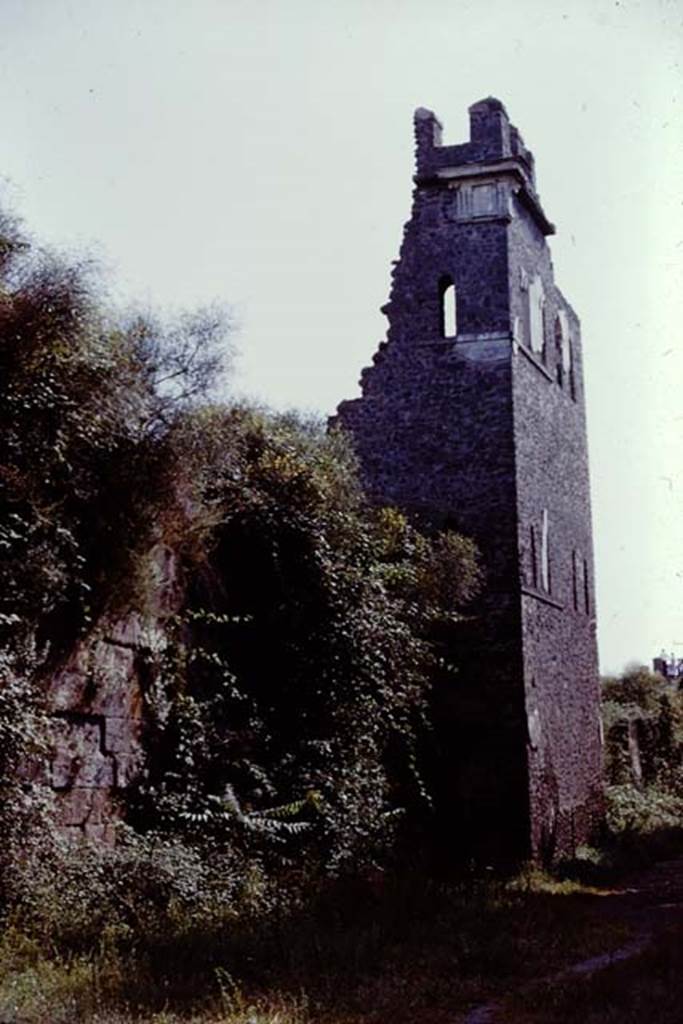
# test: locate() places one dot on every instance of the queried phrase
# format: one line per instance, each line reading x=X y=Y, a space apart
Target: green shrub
x=293 y=695
x=643 y=718
x=643 y=811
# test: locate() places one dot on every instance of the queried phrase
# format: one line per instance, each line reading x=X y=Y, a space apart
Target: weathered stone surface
x=81 y=806
x=98 y=700
x=100 y=679
x=104 y=833
x=484 y=431
x=122 y=735
x=79 y=760
x=128 y=767
x=167 y=594
x=68 y=688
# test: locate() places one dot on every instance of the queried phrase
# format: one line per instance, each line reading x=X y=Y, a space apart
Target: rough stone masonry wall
x=97 y=702
x=559 y=626
x=434 y=434
x=419 y=444
x=475 y=432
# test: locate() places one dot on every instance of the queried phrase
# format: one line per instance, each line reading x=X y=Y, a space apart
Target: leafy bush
x=643 y=718
x=294 y=691
x=140 y=894
x=643 y=811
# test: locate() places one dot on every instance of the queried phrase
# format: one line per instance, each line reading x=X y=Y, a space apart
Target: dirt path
x=649 y=901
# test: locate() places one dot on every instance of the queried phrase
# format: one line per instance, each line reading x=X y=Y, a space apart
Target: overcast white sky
x=259 y=152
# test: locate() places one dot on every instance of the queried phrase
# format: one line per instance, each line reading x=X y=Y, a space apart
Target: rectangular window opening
x=545 y=560
x=575 y=581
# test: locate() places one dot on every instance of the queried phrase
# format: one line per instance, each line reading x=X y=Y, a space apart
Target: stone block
x=127 y=632
x=78 y=759
x=100 y=678
x=101 y=834
x=128 y=767
x=122 y=735
x=68 y=687
x=82 y=805
x=115 y=690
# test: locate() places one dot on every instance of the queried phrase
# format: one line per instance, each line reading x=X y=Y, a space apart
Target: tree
x=88 y=402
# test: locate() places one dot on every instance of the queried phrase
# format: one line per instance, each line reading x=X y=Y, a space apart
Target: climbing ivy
x=294 y=692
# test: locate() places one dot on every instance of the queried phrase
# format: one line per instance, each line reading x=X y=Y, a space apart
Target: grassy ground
x=647 y=988
x=408 y=952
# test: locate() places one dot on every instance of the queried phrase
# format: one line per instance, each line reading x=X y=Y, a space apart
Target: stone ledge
x=529 y=355
x=483 y=336
x=448 y=344
x=511 y=166
x=544 y=598
x=484 y=218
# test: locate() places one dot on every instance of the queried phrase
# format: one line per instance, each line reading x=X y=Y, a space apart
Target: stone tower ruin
x=472 y=417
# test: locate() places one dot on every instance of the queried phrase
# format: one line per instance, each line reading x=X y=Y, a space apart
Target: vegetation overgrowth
x=410 y=950
x=268 y=867
x=643 y=725
x=289 y=695
x=645 y=988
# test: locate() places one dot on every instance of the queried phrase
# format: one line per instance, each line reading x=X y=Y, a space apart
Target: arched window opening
x=449 y=308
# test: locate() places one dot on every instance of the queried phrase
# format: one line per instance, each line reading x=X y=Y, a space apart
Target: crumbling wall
x=97 y=700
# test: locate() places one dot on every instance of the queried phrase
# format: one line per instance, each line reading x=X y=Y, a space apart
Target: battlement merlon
x=495 y=147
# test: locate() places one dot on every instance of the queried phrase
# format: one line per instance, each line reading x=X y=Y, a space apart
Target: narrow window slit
x=449 y=309
x=545 y=560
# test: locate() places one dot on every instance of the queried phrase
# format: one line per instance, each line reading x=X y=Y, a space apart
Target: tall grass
x=404 y=949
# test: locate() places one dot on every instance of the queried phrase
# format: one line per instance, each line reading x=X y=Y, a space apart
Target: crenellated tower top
x=495 y=146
